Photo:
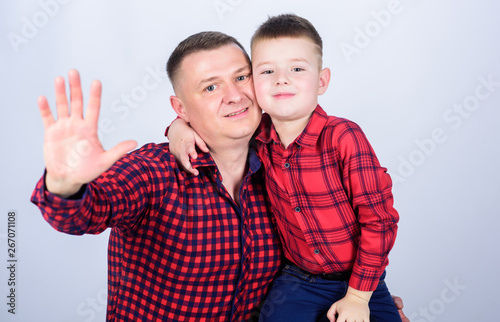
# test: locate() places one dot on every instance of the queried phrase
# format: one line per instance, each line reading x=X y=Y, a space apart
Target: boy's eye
x=297 y=69
x=267 y=72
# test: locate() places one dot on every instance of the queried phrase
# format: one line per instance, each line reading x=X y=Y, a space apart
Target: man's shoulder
x=152 y=151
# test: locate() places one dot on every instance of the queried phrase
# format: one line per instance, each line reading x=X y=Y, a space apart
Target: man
x=182 y=247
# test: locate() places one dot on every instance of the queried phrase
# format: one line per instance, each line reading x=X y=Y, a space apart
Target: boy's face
x=288 y=77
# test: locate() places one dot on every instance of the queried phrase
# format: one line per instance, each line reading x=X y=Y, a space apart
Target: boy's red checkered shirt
x=331 y=198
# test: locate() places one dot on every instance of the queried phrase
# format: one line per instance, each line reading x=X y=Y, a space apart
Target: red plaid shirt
x=180 y=249
x=331 y=198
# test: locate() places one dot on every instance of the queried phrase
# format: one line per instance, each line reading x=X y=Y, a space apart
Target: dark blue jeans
x=299 y=296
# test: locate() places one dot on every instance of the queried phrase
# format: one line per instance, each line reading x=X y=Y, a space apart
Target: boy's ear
x=179 y=107
x=324 y=80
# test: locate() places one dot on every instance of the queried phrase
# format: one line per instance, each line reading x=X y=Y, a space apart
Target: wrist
x=61 y=188
x=364 y=295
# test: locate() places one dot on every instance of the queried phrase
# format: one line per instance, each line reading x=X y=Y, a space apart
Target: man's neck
x=233 y=166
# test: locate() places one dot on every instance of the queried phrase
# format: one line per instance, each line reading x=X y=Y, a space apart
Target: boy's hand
x=352 y=308
x=72 y=151
x=183 y=141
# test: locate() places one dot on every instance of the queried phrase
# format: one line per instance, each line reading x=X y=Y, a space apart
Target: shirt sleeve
x=369 y=188
x=121 y=197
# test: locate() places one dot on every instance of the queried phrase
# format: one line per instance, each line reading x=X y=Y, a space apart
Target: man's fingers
x=76 y=98
x=92 y=114
x=403 y=316
x=47 y=117
x=61 y=99
x=398 y=302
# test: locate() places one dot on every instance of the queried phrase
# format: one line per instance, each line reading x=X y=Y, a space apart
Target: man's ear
x=179 y=107
x=324 y=80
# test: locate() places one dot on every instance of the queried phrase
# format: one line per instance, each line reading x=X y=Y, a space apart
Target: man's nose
x=233 y=94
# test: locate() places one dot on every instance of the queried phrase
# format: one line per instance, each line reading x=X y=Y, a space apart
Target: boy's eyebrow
x=291 y=60
x=214 y=78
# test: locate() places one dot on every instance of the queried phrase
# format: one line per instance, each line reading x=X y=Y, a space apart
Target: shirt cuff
x=363 y=279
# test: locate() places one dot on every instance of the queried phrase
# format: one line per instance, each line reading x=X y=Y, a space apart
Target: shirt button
x=297 y=209
x=287 y=165
x=316 y=251
x=242 y=289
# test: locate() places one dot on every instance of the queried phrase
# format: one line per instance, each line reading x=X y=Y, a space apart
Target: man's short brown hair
x=206 y=40
x=287 y=26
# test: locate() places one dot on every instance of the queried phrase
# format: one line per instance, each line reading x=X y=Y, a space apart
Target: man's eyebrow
x=242 y=69
x=214 y=78
x=208 y=80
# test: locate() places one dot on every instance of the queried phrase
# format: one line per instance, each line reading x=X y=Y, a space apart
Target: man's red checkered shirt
x=180 y=249
x=331 y=198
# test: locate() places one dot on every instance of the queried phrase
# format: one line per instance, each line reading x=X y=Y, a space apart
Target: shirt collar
x=308 y=137
x=205 y=160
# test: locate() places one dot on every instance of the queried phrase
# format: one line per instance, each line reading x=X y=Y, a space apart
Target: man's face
x=216 y=91
x=288 y=77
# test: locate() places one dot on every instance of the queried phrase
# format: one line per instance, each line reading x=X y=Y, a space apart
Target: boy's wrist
x=364 y=295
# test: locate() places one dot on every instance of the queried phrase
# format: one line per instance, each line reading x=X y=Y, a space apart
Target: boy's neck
x=288 y=131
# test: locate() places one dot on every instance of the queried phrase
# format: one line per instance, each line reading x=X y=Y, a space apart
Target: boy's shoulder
x=340 y=124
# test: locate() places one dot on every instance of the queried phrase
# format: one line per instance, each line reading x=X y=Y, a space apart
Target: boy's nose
x=281 y=78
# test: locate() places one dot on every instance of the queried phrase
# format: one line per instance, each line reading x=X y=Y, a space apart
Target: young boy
x=331 y=198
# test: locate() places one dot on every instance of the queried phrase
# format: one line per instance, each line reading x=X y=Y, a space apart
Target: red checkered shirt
x=331 y=198
x=180 y=249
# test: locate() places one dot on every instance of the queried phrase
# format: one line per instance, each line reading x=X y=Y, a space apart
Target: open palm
x=72 y=151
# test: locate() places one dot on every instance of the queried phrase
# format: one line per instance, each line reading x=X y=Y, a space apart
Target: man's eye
x=210 y=88
x=241 y=78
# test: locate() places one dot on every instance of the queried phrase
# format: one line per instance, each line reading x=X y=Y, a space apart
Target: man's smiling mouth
x=239 y=112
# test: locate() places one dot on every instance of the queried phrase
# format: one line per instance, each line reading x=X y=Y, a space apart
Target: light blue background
x=405 y=78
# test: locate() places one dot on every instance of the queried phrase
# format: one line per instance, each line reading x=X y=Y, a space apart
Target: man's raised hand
x=72 y=151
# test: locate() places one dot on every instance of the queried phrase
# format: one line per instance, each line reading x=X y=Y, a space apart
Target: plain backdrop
x=422 y=78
